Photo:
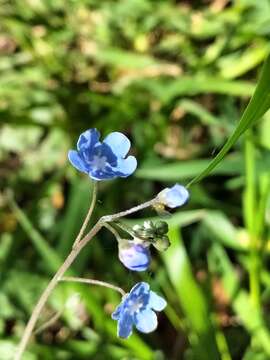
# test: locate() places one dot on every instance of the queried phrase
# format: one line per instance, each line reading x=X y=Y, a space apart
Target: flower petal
x=119 y=143
x=126 y=167
x=125 y=323
x=103 y=150
x=146 y=321
x=156 y=302
x=134 y=256
x=141 y=287
x=77 y=161
x=88 y=140
x=173 y=197
x=116 y=314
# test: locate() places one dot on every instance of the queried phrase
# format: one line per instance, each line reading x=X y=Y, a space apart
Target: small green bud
x=161 y=227
x=162 y=243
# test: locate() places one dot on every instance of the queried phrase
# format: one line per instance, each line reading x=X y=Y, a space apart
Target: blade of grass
x=249 y=315
x=51 y=258
x=233 y=165
x=191 y=298
x=258 y=105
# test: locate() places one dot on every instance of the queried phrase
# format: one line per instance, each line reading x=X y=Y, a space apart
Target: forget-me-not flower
x=103 y=160
x=135 y=257
x=136 y=309
x=173 y=197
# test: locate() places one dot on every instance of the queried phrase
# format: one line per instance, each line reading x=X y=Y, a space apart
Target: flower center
x=135 y=306
x=98 y=163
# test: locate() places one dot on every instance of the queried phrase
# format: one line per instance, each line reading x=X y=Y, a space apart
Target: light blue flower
x=135 y=257
x=136 y=309
x=103 y=160
x=173 y=197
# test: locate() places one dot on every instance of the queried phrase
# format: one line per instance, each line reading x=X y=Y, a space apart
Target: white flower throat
x=98 y=163
x=135 y=305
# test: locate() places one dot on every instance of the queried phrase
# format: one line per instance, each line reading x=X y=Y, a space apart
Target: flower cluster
x=108 y=160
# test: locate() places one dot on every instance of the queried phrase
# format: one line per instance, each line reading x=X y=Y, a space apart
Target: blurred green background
x=175 y=77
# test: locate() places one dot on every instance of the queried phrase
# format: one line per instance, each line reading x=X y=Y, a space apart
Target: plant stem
x=249 y=206
x=113 y=231
x=94 y=282
x=64 y=267
x=45 y=295
x=90 y=211
x=110 y=218
x=48 y=323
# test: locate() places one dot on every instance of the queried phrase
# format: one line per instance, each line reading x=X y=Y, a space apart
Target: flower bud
x=173 y=197
x=162 y=243
x=161 y=227
x=134 y=256
x=143 y=231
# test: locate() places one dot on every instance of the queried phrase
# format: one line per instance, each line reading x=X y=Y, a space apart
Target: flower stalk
x=103 y=161
x=65 y=266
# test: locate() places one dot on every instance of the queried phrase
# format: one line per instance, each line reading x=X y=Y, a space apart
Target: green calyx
x=154 y=233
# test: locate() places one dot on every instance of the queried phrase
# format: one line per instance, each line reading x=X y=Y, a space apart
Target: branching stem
x=65 y=266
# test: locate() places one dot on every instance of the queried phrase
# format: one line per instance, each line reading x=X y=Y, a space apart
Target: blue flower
x=103 y=160
x=134 y=256
x=136 y=309
x=173 y=197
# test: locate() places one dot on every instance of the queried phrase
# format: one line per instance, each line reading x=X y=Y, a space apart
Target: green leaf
x=191 y=298
x=258 y=105
x=233 y=165
x=52 y=260
x=250 y=316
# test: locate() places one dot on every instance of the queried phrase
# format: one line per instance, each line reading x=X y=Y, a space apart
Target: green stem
x=249 y=208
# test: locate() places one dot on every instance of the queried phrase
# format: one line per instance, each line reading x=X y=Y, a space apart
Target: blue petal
x=126 y=167
x=103 y=150
x=119 y=143
x=140 y=288
x=125 y=323
x=88 y=140
x=174 y=196
x=117 y=312
x=156 y=302
x=77 y=161
x=107 y=174
x=146 y=321
x=135 y=257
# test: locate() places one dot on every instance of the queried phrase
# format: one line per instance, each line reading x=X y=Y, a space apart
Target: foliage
x=174 y=76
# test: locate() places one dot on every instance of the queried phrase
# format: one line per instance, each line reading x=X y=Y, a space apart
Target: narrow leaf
x=258 y=105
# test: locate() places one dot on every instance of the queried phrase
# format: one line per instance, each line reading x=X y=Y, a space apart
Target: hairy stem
x=49 y=323
x=45 y=295
x=94 y=282
x=113 y=231
x=90 y=211
x=64 y=267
